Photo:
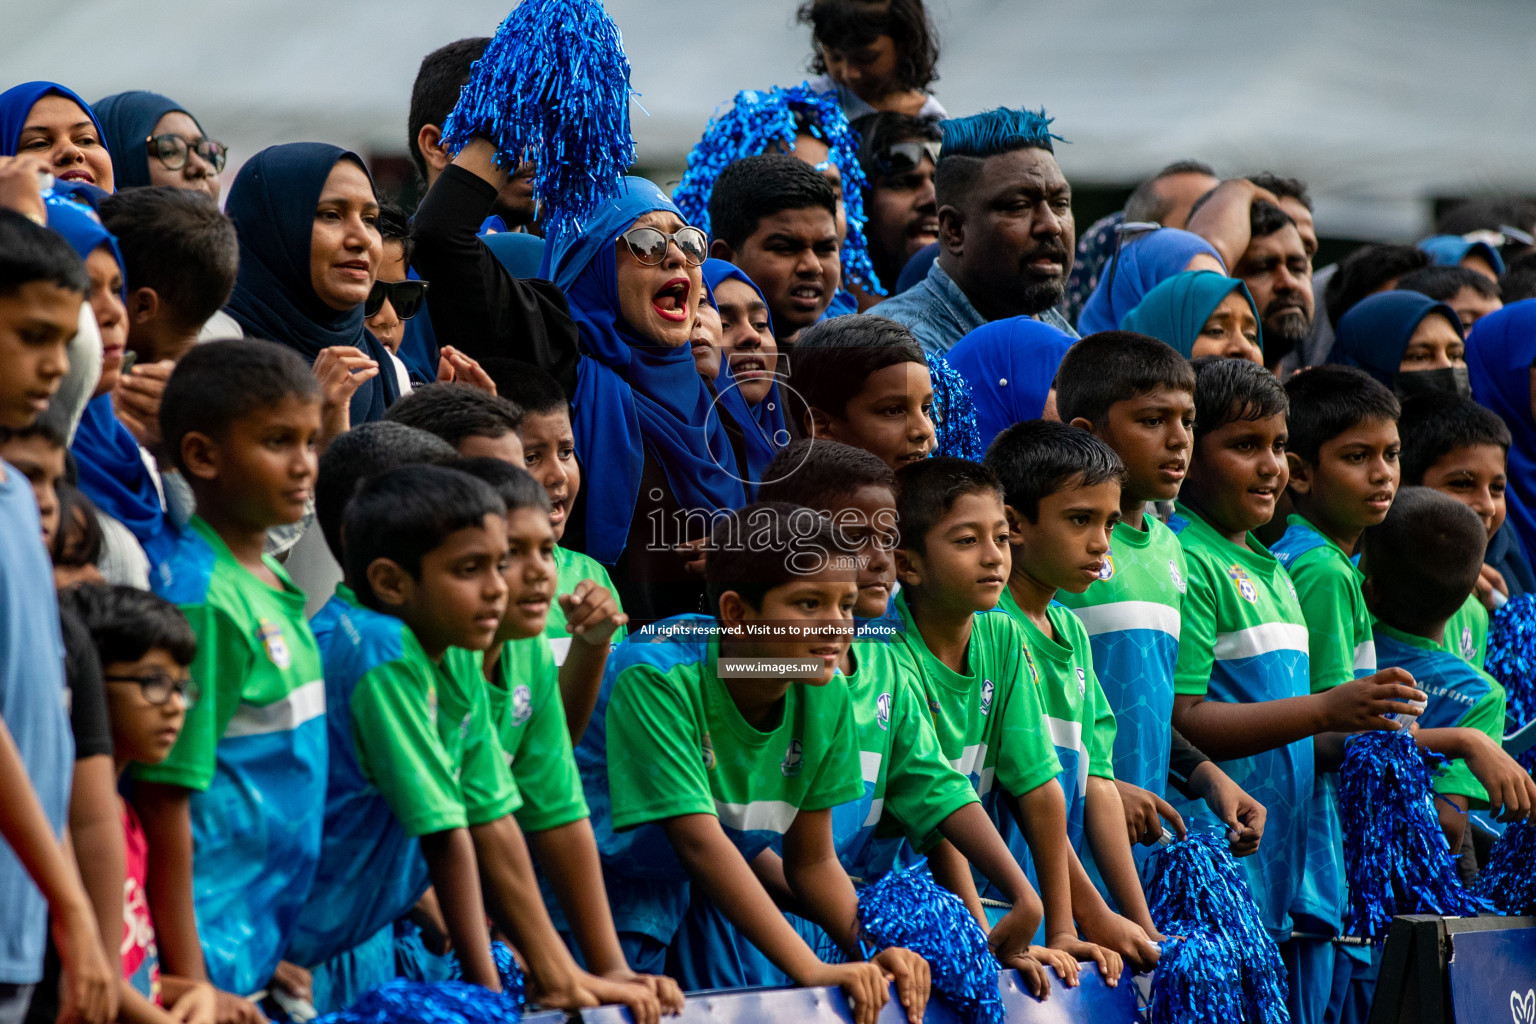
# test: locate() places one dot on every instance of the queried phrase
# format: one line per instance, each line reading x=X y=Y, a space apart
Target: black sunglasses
x=173 y=151
x=903 y=157
x=159 y=687
x=649 y=245
x=405 y=296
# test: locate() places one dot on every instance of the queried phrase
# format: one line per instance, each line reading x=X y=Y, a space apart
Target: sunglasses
x=649 y=245
x=159 y=687
x=405 y=296
x=903 y=157
x=173 y=151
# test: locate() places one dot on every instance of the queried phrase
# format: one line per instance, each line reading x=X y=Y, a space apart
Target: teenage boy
x=475 y=422
x=864 y=381
x=1242 y=687
x=42 y=287
x=1420 y=563
x=706 y=769
x=1136 y=394
x=981 y=683
x=776 y=219
x=245 y=784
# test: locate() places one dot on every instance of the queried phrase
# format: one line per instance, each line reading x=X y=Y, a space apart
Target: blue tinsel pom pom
x=1396 y=858
x=553 y=87
x=954 y=412
x=441 y=1002
x=907 y=908
x=1508 y=880
x=513 y=984
x=767 y=121
x=1511 y=659
x=1222 y=965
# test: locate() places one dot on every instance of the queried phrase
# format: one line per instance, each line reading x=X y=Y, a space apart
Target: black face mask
x=1452 y=380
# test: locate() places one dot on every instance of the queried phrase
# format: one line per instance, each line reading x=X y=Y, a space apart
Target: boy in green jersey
x=983 y=687
x=723 y=744
x=1061 y=492
x=1243 y=683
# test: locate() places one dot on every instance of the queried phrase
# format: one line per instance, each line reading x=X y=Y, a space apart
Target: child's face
x=865 y=522
x=965 y=562
x=265 y=463
x=869 y=71
x=111 y=315
x=704 y=342
x=746 y=339
x=1152 y=434
x=142 y=730
x=37 y=321
x=530 y=574
x=1238 y=473
x=819 y=606
x=1065 y=547
x=891 y=416
x=507 y=447
x=42 y=463
x=1474 y=476
x=549 y=450
x=461 y=595
x=386 y=324
x=1356 y=476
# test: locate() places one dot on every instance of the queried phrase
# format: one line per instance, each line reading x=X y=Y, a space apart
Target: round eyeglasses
x=158 y=687
x=173 y=151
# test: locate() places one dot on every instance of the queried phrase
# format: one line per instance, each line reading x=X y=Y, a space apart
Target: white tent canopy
x=1378 y=105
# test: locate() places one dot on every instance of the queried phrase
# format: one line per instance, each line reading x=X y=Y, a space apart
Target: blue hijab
x=633 y=395
x=1450 y=250
x=272 y=203
x=126 y=120
x=1375 y=332
x=1009 y=365
x=17 y=102
x=1177 y=309
x=1500 y=351
x=1144 y=262
x=112 y=470
x=762 y=425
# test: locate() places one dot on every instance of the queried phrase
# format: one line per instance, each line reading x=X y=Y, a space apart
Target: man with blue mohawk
x=1006 y=234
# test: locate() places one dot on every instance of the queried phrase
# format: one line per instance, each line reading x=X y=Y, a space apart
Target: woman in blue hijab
x=1009 y=365
x=1500 y=353
x=1408 y=341
x=1201 y=313
x=310 y=248
x=757 y=410
x=155 y=141
x=1142 y=262
x=640 y=408
x=53 y=122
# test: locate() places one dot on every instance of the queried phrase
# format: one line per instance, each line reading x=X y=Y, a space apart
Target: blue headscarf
x=1450 y=250
x=632 y=394
x=1500 y=351
x=1009 y=365
x=762 y=425
x=1375 y=332
x=1177 y=309
x=17 y=102
x=126 y=120
x=1144 y=262
x=272 y=203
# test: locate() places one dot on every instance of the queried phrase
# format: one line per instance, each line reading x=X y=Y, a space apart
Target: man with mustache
x=899 y=155
x=1006 y=233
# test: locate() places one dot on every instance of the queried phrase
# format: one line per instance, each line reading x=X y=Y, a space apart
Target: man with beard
x=899 y=155
x=1005 y=231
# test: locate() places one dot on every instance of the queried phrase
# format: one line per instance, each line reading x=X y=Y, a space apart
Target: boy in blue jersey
x=1243 y=690
x=707 y=767
x=236 y=808
x=1136 y=394
x=1420 y=564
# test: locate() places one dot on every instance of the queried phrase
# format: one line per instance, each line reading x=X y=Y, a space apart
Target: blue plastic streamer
x=1508 y=880
x=1396 y=858
x=439 y=1002
x=954 y=412
x=553 y=87
x=907 y=908
x=513 y=984
x=768 y=121
x=1511 y=659
x=1222 y=964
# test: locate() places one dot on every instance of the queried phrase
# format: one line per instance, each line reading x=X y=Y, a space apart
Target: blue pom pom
x=954 y=412
x=1000 y=130
x=765 y=122
x=1396 y=858
x=553 y=87
x=907 y=908
x=513 y=984
x=1222 y=964
x=1511 y=659
x=1508 y=880
x=440 y=1002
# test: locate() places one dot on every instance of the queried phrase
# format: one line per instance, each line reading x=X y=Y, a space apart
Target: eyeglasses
x=172 y=151
x=405 y=296
x=650 y=245
x=158 y=687
x=903 y=157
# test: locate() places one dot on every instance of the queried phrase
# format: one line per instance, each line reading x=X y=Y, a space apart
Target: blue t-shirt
x=32 y=704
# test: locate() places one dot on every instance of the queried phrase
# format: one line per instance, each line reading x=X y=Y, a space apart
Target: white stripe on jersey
x=757 y=816
x=1365 y=657
x=560 y=647
x=1123 y=615
x=1069 y=734
x=284 y=715
x=1262 y=639
x=875 y=808
x=869 y=765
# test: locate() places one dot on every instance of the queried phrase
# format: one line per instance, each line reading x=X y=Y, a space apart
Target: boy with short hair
x=37 y=451
x=865 y=382
x=1242 y=688
x=474 y=422
x=1136 y=394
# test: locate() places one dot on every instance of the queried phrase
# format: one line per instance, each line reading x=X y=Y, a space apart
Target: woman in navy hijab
x=154 y=141
x=48 y=120
x=310 y=249
x=1408 y=341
